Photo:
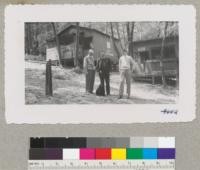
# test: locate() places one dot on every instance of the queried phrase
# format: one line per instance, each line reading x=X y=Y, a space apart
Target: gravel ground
x=69 y=88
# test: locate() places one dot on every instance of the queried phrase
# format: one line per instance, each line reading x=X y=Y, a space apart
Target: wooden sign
x=108 y=45
x=52 y=54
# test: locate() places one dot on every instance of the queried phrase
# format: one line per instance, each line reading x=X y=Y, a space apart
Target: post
x=153 y=80
x=49 y=90
x=177 y=73
x=177 y=66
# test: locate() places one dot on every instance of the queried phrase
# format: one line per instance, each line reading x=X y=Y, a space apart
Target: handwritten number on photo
x=169 y=111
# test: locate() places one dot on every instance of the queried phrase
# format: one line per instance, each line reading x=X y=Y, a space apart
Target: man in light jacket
x=126 y=64
x=89 y=69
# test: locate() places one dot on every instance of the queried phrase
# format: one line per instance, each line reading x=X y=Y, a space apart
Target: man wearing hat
x=89 y=69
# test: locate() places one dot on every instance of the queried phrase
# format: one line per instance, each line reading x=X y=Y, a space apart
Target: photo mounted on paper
x=91 y=62
x=119 y=64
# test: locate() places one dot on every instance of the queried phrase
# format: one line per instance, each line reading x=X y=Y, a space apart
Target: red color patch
x=103 y=153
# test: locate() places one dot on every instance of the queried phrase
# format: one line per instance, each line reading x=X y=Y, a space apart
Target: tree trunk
x=118 y=33
x=131 y=43
x=27 y=43
x=128 y=36
x=36 y=43
x=113 y=40
x=76 y=61
x=124 y=36
x=162 y=54
x=130 y=32
x=57 y=43
x=29 y=38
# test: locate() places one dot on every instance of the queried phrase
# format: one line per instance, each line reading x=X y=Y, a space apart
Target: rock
x=59 y=75
x=60 y=91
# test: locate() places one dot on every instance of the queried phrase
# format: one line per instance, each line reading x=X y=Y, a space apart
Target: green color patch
x=134 y=153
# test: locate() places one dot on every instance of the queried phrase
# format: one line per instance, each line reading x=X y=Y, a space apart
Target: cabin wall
x=100 y=43
x=147 y=46
x=103 y=44
x=151 y=65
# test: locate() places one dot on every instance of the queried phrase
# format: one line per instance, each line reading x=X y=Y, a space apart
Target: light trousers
x=125 y=75
x=90 y=77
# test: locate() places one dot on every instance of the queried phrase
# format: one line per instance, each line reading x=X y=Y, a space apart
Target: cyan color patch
x=150 y=153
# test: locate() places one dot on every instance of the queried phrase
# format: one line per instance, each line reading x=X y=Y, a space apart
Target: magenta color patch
x=87 y=153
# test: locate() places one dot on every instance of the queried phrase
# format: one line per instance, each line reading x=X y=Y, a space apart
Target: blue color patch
x=150 y=153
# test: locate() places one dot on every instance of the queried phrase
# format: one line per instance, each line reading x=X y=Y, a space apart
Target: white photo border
x=18 y=112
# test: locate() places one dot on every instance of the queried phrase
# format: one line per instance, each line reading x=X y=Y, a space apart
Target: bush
x=78 y=70
x=59 y=75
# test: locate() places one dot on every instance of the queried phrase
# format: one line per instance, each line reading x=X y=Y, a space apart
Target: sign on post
x=52 y=54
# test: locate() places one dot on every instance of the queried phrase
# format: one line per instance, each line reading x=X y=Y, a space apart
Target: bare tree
x=113 y=40
x=172 y=31
x=76 y=61
x=124 y=36
x=118 y=33
x=57 y=42
x=162 y=53
x=130 y=30
x=28 y=38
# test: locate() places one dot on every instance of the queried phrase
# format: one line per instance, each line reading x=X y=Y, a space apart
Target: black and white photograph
x=102 y=62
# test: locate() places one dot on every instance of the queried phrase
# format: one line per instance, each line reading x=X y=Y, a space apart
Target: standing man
x=126 y=64
x=89 y=69
x=104 y=68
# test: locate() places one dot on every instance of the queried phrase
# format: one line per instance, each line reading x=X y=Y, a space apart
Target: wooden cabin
x=147 y=54
x=88 y=38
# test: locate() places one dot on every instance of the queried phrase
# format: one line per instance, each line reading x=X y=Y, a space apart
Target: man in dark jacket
x=104 y=69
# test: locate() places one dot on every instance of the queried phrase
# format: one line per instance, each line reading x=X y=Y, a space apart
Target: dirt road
x=69 y=88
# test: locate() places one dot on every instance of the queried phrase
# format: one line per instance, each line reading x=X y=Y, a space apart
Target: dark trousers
x=105 y=77
x=90 y=77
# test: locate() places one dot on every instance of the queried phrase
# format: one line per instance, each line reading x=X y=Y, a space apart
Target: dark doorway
x=144 y=56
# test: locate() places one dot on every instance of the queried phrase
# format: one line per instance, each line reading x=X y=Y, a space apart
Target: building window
x=169 y=52
x=156 y=53
x=144 y=56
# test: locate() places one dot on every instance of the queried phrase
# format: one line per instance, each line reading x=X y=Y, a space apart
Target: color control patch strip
x=102 y=148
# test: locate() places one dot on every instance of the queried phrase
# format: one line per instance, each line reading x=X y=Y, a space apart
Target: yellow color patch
x=118 y=154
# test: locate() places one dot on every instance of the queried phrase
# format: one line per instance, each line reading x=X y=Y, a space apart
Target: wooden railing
x=154 y=67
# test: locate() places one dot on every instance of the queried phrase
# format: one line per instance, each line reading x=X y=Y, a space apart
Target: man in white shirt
x=126 y=64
